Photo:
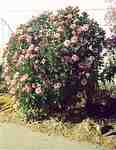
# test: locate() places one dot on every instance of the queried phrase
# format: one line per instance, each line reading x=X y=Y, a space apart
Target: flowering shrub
x=52 y=61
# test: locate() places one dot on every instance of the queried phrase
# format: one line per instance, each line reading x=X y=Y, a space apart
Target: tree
x=53 y=61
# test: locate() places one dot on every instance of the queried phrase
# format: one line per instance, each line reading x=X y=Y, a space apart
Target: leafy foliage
x=52 y=61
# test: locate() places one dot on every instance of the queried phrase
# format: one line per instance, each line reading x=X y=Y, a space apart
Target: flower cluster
x=53 y=56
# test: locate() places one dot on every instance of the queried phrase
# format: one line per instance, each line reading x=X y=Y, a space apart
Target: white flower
x=43 y=61
x=36 y=49
x=92 y=58
x=79 y=94
x=89 y=60
x=57 y=85
x=87 y=75
x=57 y=35
x=36 y=61
x=67 y=43
x=83 y=82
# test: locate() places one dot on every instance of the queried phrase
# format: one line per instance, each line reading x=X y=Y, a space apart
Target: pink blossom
x=73 y=26
x=27 y=56
x=33 y=85
x=84 y=66
x=57 y=35
x=74 y=39
x=21 y=58
x=75 y=58
x=27 y=88
x=13 y=82
x=85 y=27
x=18 y=65
x=74 y=33
x=6 y=69
x=12 y=90
x=24 y=77
x=28 y=39
x=67 y=43
x=60 y=29
x=67 y=58
x=32 y=56
x=52 y=17
x=31 y=47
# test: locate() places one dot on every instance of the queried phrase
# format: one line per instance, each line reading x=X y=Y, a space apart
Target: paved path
x=16 y=137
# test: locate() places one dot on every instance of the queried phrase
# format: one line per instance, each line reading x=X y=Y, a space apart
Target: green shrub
x=52 y=61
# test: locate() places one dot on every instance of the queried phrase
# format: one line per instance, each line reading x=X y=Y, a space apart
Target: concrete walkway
x=16 y=137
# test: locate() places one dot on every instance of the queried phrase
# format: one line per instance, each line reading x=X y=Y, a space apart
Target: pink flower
x=6 y=69
x=85 y=27
x=27 y=88
x=52 y=17
x=12 y=90
x=67 y=58
x=74 y=33
x=32 y=56
x=18 y=65
x=60 y=29
x=24 y=77
x=84 y=66
x=67 y=43
x=21 y=58
x=27 y=56
x=24 y=51
x=31 y=47
x=13 y=82
x=75 y=58
x=57 y=35
x=73 y=26
x=33 y=85
x=28 y=39
x=74 y=39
